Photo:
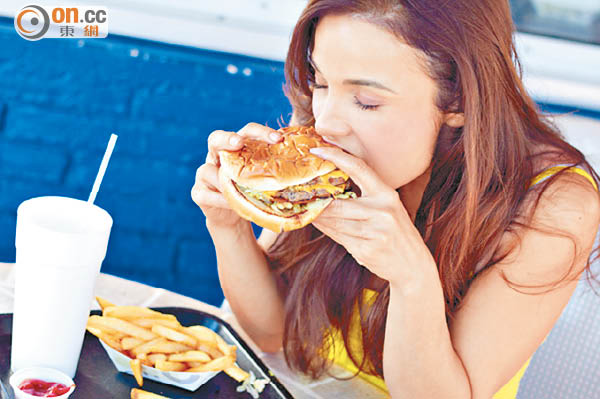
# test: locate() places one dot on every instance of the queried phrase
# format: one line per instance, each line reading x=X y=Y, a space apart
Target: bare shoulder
x=570 y=203
x=563 y=225
x=266 y=239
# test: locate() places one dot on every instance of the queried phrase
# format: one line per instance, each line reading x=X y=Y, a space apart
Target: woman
x=475 y=219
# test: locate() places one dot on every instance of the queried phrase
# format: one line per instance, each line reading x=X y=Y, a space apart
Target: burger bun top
x=261 y=166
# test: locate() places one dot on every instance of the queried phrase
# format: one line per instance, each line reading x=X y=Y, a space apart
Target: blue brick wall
x=61 y=99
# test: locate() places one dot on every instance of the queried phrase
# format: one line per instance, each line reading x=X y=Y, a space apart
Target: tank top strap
x=551 y=171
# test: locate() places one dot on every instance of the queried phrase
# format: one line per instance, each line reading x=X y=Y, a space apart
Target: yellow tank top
x=337 y=352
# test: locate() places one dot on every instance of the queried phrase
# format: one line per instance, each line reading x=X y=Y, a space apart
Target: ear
x=454 y=119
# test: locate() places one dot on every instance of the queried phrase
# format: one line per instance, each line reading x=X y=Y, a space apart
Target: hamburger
x=282 y=186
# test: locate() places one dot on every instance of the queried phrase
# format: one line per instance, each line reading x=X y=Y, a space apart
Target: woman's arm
x=247 y=281
x=249 y=285
x=244 y=274
x=497 y=328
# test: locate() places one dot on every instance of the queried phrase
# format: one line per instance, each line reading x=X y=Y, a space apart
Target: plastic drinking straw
x=103 y=166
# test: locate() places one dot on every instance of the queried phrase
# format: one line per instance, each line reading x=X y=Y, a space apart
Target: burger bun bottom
x=251 y=212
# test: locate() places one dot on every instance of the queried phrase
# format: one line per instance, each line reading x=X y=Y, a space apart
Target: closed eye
x=364 y=106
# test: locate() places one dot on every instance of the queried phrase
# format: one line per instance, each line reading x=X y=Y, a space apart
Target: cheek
x=317 y=103
x=402 y=154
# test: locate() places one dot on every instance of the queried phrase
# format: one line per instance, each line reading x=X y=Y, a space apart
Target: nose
x=329 y=124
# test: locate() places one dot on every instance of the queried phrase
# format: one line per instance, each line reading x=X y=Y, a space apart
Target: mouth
x=337 y=145
x=328 y=140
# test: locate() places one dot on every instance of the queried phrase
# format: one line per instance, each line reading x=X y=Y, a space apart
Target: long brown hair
x=480 y=172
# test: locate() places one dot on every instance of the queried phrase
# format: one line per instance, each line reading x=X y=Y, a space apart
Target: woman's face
x=373 y=99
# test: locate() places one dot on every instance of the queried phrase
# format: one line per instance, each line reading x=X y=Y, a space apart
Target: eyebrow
x=356 y=82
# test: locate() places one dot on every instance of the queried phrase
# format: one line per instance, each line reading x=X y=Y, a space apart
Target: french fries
x=146 y=347
x=153 y=358
x=103 y=303
x=218 y=364
x=141 y=394
x=236 y=373
x=148 y=323
x=165 y=365
x=190 y=356
x=128 y=343
x=169 y=347
x=109 y=339
x=153 y=339
x=173 y=335
x=122 y=326
x=135 y=312
x=136 y=368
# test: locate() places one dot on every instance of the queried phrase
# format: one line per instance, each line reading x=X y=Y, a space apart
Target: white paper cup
x=61 y=243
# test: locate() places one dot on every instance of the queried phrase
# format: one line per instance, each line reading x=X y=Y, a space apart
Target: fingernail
x=274 y=137
x=235 y=140
x=317 y=151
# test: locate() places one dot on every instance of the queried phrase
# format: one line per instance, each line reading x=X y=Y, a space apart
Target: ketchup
x=43 y=388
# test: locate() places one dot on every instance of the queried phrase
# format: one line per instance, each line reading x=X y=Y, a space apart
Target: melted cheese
x=330 y=188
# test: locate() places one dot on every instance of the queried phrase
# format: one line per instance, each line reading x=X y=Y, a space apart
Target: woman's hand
x=206 y=192
x=375 y=229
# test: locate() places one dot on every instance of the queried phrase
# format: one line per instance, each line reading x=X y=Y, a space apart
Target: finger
x=204 y=197
x=355 y=209
x=367 y=180
x=326 y=230
x=210 y=159
x=345 y=240
x=260 y=132
x=340 y=230
x=222 y=140
x=208 y=174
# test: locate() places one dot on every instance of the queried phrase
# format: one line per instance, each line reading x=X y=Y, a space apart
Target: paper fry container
x=181 y=379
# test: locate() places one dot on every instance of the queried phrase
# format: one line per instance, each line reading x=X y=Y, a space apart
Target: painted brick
x=144 y=252
x=197 y=258
x=60 y=100
x=209 y=290
x=53 y=74
x=196 y=122
x=11 y=47
x=146 y=214
x=71 y=131
x=55 y=96
x=3 y=110
x=187 y=221
x=197 y=270
x=8 y=224
x=135 y=63
x=131 y=175
x=158 y=70
x=181 y=143
x=145 y=138
x=59 y=86
x=220 y=96
x=32 y=161
x=14 y=190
